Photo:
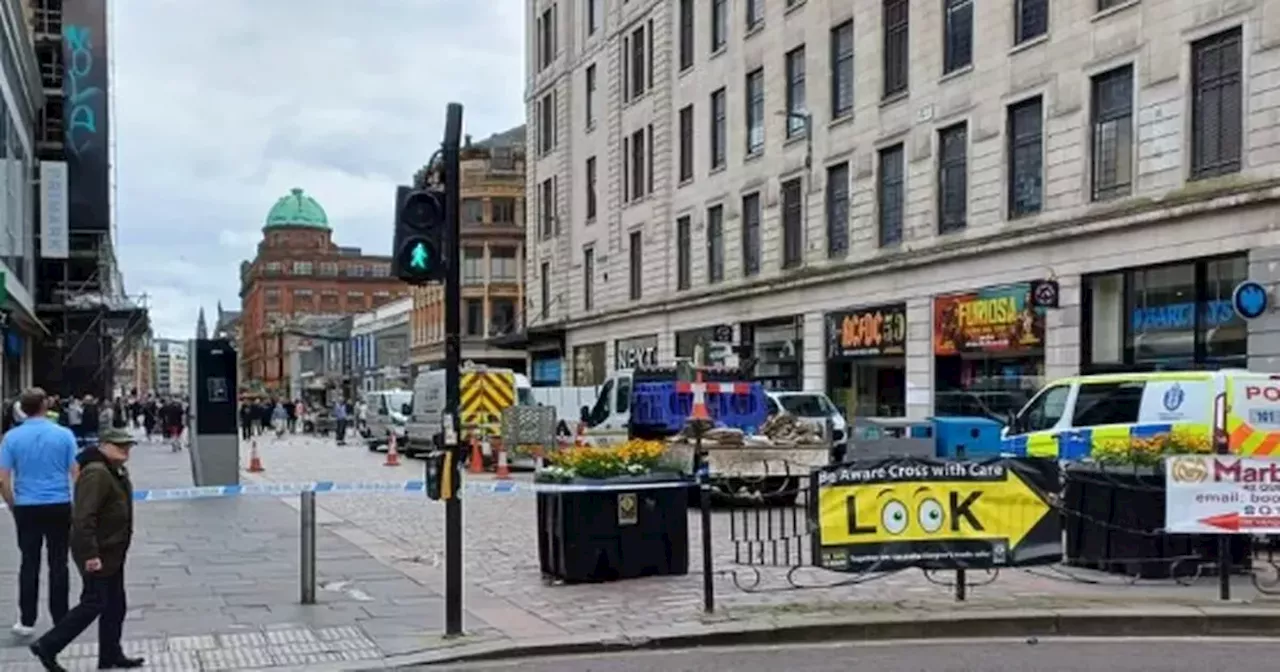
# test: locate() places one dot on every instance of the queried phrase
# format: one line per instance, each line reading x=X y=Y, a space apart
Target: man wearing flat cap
x=101 y=530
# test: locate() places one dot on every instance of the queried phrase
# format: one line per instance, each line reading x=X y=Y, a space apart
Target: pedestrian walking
x=279 y=419
x=340 y=418
x=37 y=467
x=102 y=529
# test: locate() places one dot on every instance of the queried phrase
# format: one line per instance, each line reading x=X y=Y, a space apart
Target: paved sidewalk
x=213 y=585
x=506 y=596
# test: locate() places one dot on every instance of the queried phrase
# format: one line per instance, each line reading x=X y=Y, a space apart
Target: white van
x=386 y=416
x=423 y=426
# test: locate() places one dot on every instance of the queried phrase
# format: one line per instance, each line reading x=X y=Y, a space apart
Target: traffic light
x=420 y=236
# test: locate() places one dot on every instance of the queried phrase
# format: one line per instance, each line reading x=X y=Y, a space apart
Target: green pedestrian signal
x=418 y=258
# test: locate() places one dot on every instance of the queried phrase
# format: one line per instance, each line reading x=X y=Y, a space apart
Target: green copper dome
x=297 y=209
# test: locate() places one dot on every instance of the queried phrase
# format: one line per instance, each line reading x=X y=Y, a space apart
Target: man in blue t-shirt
x=37 y=468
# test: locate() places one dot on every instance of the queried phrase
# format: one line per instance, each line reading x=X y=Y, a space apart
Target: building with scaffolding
x=92 y=325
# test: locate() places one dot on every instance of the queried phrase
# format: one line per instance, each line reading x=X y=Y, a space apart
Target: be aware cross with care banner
x=881 y=515
x=1222 y=494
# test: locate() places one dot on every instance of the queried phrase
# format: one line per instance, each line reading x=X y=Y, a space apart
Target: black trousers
x=46 y=526
x=246 y=430
x=341 y=430
x=103 y=599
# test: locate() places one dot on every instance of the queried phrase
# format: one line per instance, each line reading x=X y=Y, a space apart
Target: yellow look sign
x=903 y=509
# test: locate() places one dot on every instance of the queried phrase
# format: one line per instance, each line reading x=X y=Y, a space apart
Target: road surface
x=1075 y=655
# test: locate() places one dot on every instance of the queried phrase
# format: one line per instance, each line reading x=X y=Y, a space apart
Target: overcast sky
x=221 y=107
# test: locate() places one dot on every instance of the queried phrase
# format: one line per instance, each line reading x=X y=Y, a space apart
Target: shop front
x=588 y=365
x=777 y=347
x=867 y=360
x=694 y=343
x=630 y=353
x=988 y=349
x=1170 y=317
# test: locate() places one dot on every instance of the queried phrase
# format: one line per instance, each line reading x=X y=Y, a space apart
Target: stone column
x=919 y=357
x=1264 y=332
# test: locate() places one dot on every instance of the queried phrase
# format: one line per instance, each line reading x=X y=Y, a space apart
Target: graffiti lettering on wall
x=82 y=97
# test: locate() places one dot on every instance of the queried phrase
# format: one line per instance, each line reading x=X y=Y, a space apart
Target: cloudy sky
x=222 y=107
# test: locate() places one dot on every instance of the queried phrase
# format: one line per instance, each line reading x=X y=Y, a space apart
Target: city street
x=1128 y=655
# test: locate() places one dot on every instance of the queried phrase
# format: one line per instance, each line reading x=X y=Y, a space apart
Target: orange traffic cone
x=699 y=411
x=503 y=470
x=255 y=462
x=393 y=455
x=477 y=457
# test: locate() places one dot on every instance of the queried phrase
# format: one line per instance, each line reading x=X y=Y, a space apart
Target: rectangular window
x=1031 y=20
x=755 y=112
x=472 y=266
x=686 y=143
x=1026 y=158
x=897 y=58
x=591 y=188
x=718 y=133
x=544 y=279
x=715 y=244
x=626 y=170
x=502 y=211
x=638 y=62
x=842 y=70
x=649 y=160
x=636 y=259
x=838 y=210
x=750 y=234
x=502 y=316
x=792 y=224
x=958 y=46
x=1112 y=142
x=686 y=34
x=503 y=265
x=684 y=255
x=755 y=13
x=593 y=16
x=637 y=164
x=953 y=178
x=1104 y=5
x=588 y=279
x=547 y=204
x=591 y=95
x=546 y=38
x=719 y=24
x=796 y=111
x=547 y=123
x=475 y=317
x=891 y=195
x=472 y=211
x=1217 y=106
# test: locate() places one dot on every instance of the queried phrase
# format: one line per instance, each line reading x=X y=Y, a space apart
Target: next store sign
x=1175 y=316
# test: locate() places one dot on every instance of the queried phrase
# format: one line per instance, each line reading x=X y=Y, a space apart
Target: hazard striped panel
x=485 y=394
x=1251 y=442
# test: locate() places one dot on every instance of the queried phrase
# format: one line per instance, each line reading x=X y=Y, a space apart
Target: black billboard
x=85 y=109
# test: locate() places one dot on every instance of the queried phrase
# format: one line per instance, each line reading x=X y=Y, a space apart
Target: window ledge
x=716 y=169
x=753 y=156
x=956 y=74
x=1029 y=43
x=685 y=182
x=895 y=98
x=591 y=126
x=841 y=120
x=752 y=31
x=794 y=7
x=795 y=139
x=685 y=71
x=1110 y=11
x=719 y=51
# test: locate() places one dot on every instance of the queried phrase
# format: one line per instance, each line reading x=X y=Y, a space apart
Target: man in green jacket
x=101 y=530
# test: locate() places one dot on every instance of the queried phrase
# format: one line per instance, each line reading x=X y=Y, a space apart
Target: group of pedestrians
x=258 y=416
x=69 y=500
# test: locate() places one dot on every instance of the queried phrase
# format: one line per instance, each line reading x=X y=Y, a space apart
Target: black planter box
x=615 y=532
x=1109 y=508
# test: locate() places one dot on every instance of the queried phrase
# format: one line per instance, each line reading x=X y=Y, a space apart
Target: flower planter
x=1109 y=508
x=594 y=530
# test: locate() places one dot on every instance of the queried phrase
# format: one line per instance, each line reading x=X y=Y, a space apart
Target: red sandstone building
x=298 y=272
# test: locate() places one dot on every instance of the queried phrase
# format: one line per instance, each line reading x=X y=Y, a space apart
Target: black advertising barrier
x=897 y=513
x=85 y=111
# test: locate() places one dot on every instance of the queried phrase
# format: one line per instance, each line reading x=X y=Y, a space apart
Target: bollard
x=962 y=577
x=1224 y=567
x=308 y=545
x=708 y=578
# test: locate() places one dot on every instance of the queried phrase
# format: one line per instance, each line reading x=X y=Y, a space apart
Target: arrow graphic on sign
x=1234 y=522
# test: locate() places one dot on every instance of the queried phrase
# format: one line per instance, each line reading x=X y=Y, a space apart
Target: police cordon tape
x=372 y=487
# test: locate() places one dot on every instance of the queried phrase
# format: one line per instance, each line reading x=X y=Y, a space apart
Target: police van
x=1202 y=411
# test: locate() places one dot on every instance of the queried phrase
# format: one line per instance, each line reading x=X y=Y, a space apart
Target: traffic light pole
x=452 y=364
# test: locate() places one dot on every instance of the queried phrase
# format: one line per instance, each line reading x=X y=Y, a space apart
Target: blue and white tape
x=376 y=487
